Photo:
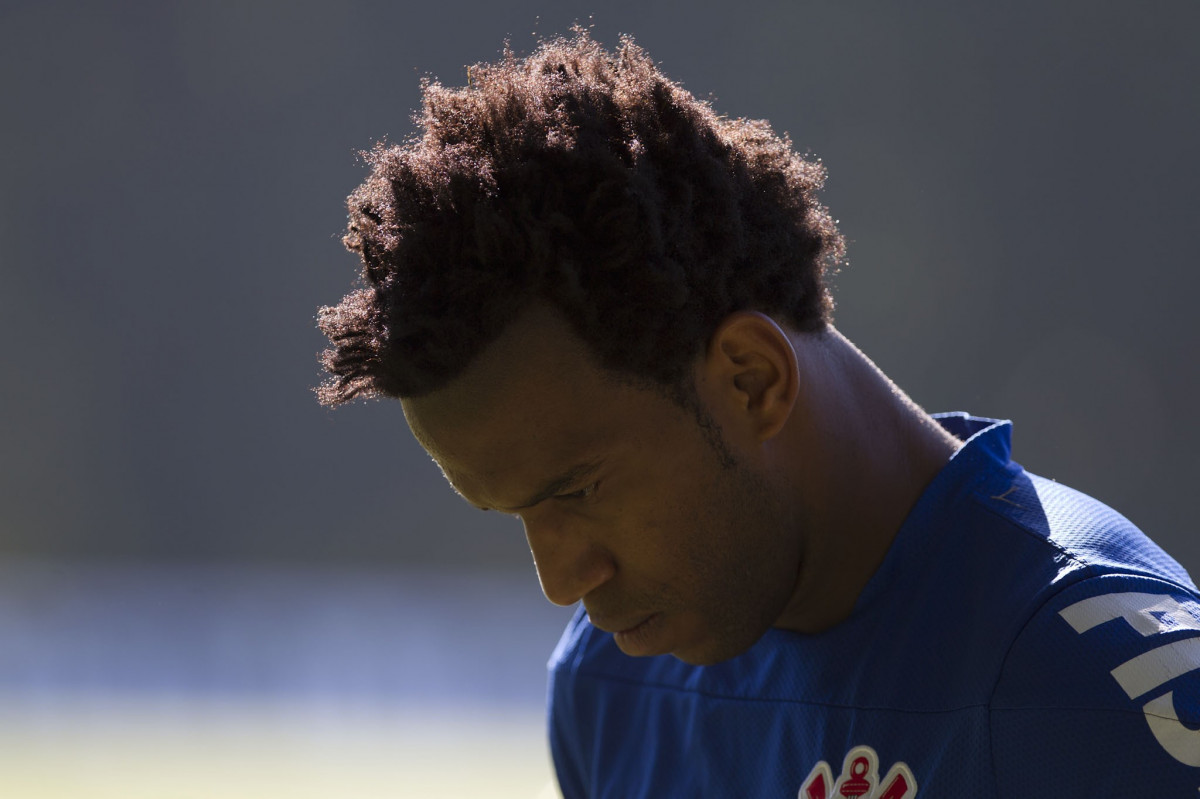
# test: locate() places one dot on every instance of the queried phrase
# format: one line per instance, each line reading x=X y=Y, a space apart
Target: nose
x=569 y=566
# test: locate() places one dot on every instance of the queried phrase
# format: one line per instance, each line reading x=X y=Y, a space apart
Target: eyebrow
x=557 y=485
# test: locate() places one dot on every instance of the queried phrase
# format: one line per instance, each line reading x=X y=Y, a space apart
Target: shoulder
x=1107 y=671
x=1002 y=554
x=1030 y=539
x=1093 y=535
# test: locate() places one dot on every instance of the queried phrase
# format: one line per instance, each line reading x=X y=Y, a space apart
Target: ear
x=751 y=366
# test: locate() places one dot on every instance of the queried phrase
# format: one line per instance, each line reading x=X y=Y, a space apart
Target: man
x=604 y=310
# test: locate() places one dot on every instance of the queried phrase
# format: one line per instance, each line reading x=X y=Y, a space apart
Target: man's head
x=575 y=279
x=586 y=180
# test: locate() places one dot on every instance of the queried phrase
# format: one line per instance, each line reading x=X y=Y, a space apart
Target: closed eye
x=582 y=493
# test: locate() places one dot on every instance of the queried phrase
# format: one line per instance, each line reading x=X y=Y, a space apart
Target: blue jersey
x=1020 y=640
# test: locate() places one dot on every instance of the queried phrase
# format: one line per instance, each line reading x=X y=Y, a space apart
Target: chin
x=724 y=641
x=711 y=653
x=693 y=660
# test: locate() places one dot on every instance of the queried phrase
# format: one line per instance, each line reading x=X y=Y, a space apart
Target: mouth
x=638 y=640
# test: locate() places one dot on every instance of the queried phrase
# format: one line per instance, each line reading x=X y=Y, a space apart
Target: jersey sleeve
x=1100 y=694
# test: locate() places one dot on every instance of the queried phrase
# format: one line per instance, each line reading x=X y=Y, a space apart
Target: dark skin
x=674 y=544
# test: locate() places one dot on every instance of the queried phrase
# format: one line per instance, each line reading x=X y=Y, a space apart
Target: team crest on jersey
x=859 y=779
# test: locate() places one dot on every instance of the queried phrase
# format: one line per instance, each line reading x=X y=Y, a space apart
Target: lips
x=640 y=639
x=614 y=624
x=602 y=623
x=633 y=628
x=620 y=629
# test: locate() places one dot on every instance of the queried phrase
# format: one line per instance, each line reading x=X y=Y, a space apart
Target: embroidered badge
x=859 y=779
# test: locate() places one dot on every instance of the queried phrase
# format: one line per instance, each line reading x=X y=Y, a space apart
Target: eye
x=582 y=493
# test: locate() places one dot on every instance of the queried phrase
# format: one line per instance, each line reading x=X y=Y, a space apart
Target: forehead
x=533 y=403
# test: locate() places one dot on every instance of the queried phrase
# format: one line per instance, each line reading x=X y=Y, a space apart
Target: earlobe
x=752 y=359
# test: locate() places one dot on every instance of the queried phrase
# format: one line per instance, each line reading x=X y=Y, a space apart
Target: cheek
x=652 y=544
x=689 y=541
x=734 y=540
x=665 y=516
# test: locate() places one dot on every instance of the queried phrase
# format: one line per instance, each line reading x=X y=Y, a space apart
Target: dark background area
x=1018 y=183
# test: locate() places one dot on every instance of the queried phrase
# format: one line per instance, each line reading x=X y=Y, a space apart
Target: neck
x=860 y=454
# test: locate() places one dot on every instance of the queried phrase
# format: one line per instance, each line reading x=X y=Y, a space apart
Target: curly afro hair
x=586 y=179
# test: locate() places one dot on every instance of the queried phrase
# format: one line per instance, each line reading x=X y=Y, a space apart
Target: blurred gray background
x=1018 y=182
